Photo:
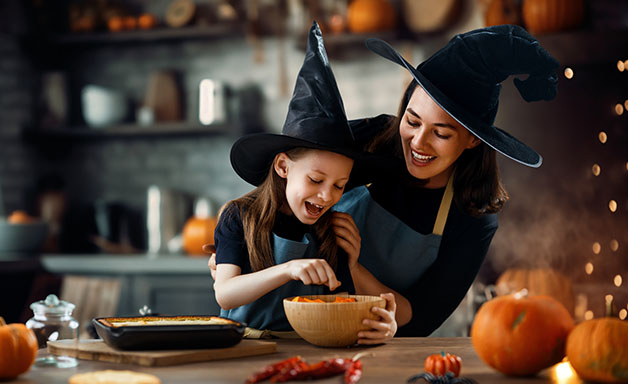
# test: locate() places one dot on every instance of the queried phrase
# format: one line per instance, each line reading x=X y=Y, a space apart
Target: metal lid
x=52 y=306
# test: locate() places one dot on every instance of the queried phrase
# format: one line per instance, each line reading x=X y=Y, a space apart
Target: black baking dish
x=172 y=336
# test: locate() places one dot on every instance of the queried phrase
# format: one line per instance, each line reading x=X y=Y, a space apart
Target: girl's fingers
x=386 y=316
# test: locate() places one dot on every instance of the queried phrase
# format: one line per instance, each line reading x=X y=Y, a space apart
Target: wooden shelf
x=128 y=131
x=151 y=35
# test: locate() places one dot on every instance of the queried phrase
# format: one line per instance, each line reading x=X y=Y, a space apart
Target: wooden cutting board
x=98 y=350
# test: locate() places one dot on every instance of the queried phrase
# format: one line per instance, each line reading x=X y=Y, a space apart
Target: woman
x=423 y=227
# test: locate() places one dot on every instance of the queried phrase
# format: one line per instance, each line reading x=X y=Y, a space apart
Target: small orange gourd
x=519 y=335
x=441 y=363
x=597 y=349
x=546 y=16
x=364 y=16
x=197 y=232
x=18 y=349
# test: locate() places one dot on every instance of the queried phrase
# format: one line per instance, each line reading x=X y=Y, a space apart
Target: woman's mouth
x=314 y=209
x=421 y=159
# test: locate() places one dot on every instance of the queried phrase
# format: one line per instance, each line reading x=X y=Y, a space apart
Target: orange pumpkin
x=197 y=232
x=519 y=335
x=597 y=350
x=364 y=16
x=538 y=281
x=503 y=12
x=146 y=21
x=546 y=16
x=440 y=364
x=18 y=348
x=20 y=217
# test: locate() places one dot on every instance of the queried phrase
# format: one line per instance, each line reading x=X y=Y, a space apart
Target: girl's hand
x=347 y=236
x=313 y=271
x=211 y=250
x=385 y=328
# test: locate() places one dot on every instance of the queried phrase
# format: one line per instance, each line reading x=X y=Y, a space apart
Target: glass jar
x=53 y=321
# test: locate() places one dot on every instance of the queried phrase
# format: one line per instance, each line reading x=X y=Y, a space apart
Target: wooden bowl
x=331 y=324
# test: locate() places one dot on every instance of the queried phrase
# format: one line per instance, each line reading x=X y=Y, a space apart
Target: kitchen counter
x=125 y=264
x=393 y=362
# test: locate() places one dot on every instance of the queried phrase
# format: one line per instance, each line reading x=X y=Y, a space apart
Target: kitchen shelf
x=161 y=34
x=129 y=130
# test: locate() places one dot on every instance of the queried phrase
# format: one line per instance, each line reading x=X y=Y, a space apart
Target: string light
x=588 y=268
x=568 y=73
x=596 y=169
x=602 y=137
x=588 y=315
x=617 y=281
x=614 y=245
x=619 y=109
x=596 y=248
x=612 y=205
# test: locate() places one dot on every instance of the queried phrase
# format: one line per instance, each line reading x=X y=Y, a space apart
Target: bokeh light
x=619 y=109
x=602 y=137
x=617 y=280
x=568 y=73
x=612 y=205
x=596 y=169
x=614 y=245
x=622 y=314
x=588 y=268
x=620 y=66
x=588 y=315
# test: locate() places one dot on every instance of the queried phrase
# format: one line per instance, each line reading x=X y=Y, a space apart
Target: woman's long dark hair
x=478 y=188
x=258 y=210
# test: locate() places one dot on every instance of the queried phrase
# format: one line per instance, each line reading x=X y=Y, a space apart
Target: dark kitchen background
x=116 y=120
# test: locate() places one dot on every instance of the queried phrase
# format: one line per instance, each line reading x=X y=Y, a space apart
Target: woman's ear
x=475 y=141
x=280 y=164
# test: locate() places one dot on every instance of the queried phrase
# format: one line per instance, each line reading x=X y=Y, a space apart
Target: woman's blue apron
x=394 y=253
x=267 y=313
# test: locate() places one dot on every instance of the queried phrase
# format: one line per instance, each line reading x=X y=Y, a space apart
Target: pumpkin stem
x=611 y=310
x=2 y=322
x=442 y=353
x=522 y=294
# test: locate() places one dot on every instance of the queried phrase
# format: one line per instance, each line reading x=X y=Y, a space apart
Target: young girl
x=278 y=240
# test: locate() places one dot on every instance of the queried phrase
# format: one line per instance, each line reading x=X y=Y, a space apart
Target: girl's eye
x=339 y=187
x=315 y=181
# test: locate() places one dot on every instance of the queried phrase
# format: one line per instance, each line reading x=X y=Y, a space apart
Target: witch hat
x=316 y=119
x=464 y=78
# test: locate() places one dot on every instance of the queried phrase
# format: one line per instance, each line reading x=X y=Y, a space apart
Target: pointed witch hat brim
x=449 y=61
x=316 y=119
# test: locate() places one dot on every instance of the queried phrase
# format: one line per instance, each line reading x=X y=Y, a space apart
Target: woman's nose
x=420 y=138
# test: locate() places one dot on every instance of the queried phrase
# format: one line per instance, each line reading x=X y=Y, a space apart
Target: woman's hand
x=313 y=271
x=385 y=328
x=347 y=236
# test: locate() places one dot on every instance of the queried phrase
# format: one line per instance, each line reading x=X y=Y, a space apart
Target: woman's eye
x=440 y=135
x=315 y=181
x=413 y=123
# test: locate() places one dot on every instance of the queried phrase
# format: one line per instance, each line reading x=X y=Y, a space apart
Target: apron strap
x=443 y=211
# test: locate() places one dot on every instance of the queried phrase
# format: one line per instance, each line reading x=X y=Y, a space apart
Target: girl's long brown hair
x=478 y=188
x=258 y=210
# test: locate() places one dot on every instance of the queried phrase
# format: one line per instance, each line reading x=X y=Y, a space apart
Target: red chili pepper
x=273 y=369
x=354 y=372
x=322 y=369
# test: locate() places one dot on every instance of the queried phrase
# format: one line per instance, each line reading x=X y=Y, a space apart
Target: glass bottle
x=53 y=321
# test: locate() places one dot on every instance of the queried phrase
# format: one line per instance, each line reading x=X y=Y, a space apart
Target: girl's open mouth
x=313 y=209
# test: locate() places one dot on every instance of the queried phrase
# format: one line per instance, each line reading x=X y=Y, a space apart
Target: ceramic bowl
x=22 y=237
x=331 y=324
x=103 y=106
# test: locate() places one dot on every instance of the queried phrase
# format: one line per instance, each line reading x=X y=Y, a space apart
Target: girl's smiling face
x=432 y=140
x=315 y=181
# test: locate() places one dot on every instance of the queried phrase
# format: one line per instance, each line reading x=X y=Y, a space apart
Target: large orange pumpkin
x=18 y=348
x=538 y=281
x=546 y=16
x=364 y=16
x=519 y=335
x=598 y=350
x=197 y=232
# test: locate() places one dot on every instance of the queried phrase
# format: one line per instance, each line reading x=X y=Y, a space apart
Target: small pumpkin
x=18 y=349
x=364 y=16
x=519 y=335
x=546 y=16
x=441 y=363
x=503 y=12
x=538 y=281
x=597 y=350
x=197 y=232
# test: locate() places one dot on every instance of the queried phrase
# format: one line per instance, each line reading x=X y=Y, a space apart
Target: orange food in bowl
x=20 y=217
x=338 y=299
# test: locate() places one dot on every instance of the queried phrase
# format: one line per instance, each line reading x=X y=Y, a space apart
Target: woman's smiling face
x=431 y=139
x=315 y=182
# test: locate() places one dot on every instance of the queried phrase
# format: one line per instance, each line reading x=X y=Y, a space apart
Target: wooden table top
x=393 y=362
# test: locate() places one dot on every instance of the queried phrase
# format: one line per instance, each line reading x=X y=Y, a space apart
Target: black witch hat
x=316 y=119
x=464 y=78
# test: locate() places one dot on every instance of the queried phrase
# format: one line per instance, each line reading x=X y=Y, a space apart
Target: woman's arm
x=234 y=289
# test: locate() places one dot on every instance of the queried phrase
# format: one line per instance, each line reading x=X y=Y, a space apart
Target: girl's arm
x=348 y=238
x=234 y=289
